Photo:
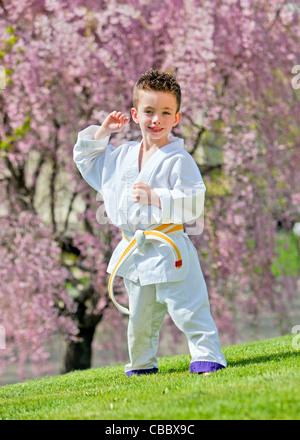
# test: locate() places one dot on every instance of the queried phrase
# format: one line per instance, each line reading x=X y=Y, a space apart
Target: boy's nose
x=155 y=119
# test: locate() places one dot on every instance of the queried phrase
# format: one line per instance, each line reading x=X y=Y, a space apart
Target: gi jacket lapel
x=147 y=172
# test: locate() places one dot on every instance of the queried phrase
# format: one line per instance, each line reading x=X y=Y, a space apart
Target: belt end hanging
x=178 y=263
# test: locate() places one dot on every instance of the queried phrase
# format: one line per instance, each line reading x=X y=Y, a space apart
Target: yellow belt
x=139 y=238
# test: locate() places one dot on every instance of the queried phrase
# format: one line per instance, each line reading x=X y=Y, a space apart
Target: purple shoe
x=142 y=371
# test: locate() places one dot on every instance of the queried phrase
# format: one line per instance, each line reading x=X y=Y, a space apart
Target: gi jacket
x=172 y=173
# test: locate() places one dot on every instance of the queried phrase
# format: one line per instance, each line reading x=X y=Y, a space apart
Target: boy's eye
x=166 y=113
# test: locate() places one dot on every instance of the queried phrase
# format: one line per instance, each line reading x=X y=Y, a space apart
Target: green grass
x=262 y=381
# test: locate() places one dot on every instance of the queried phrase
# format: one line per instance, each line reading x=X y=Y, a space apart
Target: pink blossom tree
x=68 y=64
x=34 y=302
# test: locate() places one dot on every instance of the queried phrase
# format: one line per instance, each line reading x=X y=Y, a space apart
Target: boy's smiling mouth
x=156 y=129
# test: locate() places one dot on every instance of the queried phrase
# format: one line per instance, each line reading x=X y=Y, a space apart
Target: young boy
x=150 y=188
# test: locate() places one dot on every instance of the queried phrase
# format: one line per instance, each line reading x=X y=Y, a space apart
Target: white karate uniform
x=154 y=285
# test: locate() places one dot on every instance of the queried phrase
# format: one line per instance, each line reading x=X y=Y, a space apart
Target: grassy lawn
x=262 y=381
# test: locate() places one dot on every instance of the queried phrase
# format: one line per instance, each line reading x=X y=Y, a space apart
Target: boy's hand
x=143 y=194
x=114 y=122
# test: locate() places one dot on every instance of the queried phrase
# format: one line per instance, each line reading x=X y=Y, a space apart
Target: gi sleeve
x=183 y=202
x=88 y=154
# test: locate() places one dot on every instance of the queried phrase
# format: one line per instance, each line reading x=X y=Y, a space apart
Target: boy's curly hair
x=159 y=82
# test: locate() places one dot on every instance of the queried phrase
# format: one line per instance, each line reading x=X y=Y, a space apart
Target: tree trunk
x=78 y=354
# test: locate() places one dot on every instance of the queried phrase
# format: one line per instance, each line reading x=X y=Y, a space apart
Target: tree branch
x=53 y=177
x=74 y=195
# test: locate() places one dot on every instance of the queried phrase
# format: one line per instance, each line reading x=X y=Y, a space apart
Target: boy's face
x=156 y=114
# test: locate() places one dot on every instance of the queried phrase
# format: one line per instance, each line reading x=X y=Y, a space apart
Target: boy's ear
x=177 y=119
x=134 y=115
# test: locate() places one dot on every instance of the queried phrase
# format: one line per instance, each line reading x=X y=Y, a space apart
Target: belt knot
x=140 y=237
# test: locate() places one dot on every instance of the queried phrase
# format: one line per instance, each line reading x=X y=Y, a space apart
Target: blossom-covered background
x=64 y=65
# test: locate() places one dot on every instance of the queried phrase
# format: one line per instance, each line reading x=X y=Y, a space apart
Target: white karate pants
x=188 y=305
